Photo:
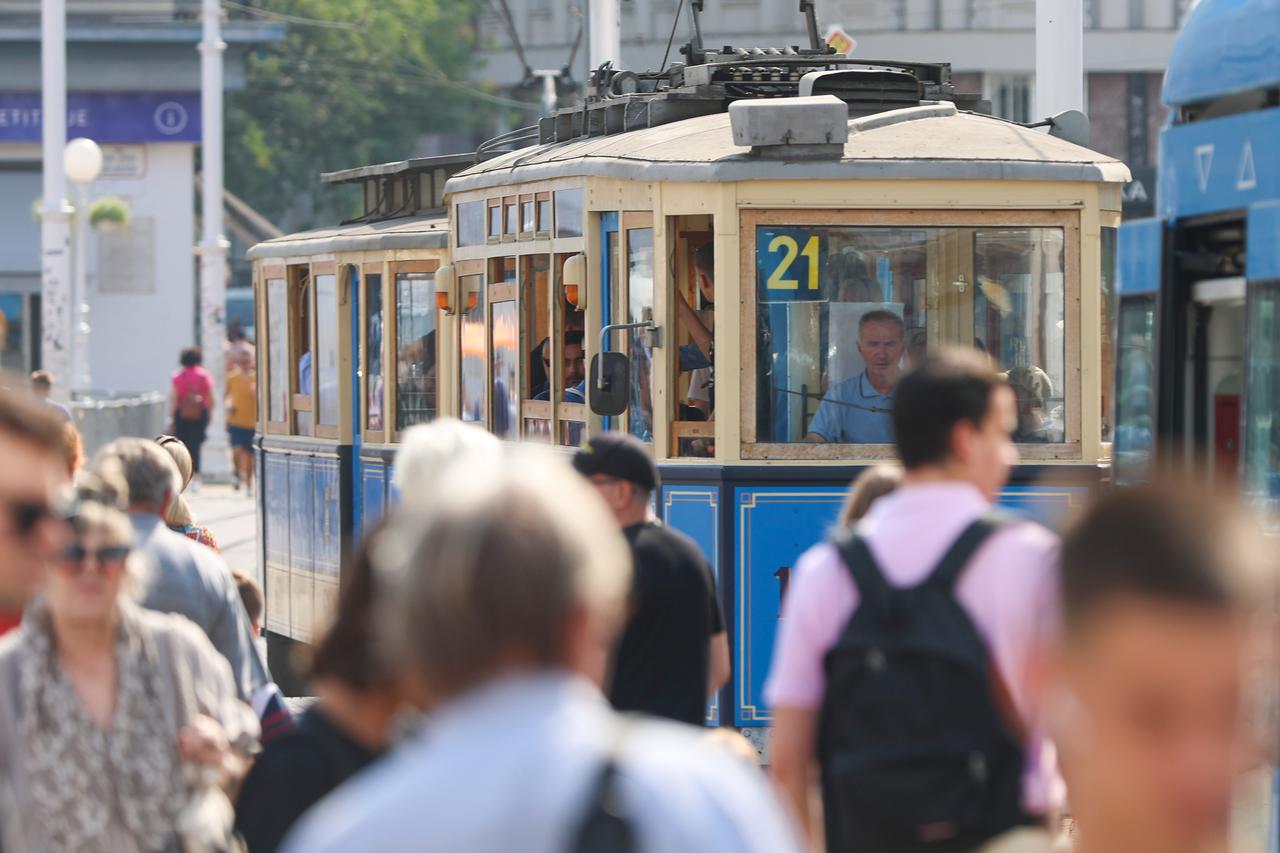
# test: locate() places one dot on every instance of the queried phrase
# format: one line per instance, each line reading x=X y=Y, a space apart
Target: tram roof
x=1225 y=46
x=422 y=232
x=932 y=142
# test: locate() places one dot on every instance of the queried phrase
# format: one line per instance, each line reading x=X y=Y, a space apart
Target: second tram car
x=760 y=242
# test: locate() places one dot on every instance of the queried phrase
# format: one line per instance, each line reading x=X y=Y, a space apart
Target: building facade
x=133 y=82
x=989 y=43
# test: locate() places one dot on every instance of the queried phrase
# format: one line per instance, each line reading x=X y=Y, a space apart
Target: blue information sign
x=789 y=264
x=107 y=117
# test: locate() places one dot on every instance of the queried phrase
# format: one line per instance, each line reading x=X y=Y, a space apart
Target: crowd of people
x=526 y=666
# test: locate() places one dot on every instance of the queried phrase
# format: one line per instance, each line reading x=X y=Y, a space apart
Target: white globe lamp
x=82 y=160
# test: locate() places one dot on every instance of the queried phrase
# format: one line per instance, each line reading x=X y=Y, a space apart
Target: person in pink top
x=190 y=396
x=953 y=421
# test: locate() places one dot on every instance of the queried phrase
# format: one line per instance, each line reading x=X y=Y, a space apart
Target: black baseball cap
x=620 y=455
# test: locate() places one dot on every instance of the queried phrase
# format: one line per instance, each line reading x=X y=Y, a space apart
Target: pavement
x=230 y=514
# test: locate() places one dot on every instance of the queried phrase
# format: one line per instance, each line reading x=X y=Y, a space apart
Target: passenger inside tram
x=859 y=409
x=573 y=362
x=1034 y=390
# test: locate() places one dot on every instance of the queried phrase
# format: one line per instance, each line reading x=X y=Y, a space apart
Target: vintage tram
x=757 y=242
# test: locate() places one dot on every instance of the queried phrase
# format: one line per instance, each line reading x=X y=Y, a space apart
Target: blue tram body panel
x=1221 y=164
x=373 y=487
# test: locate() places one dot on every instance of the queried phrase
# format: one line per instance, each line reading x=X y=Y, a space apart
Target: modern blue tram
x=728 y=232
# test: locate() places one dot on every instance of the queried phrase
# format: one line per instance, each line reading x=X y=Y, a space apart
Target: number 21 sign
x=789 y=264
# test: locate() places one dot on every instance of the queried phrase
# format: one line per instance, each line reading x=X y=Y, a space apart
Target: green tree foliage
x=353 y=82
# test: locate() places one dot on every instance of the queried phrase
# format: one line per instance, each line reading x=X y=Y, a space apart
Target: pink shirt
x=1009 y=589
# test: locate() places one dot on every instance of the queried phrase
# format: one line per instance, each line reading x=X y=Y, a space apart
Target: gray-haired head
x=148 y=471
x=427 y=450
x=521 y=567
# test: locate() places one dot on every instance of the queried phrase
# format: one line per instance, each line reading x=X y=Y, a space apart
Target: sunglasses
x=77 y=553
x=27 y=515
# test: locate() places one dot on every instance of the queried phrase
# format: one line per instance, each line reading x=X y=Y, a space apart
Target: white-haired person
x=504 y=602
x=119 y=725
x=426 y=450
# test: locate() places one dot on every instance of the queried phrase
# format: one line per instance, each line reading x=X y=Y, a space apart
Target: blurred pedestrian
x=175 y=574
x=674 y=652
x=504 y=604
x=73 y=446
x=1148 y=700
x=267 y=701
x=868 y=487
x=242 y=414
x=106 y=709
x=33 y=469
x=238 y=346
x=179 y=518
x=190 y=396
x=426 y=450
x=42 y=389
x=357 y=699
x=915 y=636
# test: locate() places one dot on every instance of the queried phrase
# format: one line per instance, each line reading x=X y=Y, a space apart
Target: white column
x=1059 y=57
x=55 y=267
x=80 y=296
x=213 y=246
x=605 y=29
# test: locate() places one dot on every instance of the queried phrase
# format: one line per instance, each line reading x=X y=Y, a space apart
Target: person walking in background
x=242 y=415
x=33 y=470
x=179 y=518
x=1148 y=699
x=674 y=652
x=357 y=699
x=190 y=396
x=503 y=602
x=103 y=705
x=175 y=574
x=42 y=388
x=868 y=487
x=267 y=701
x=865 y=681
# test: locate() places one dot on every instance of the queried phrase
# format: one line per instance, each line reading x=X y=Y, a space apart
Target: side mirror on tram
x=609 y=383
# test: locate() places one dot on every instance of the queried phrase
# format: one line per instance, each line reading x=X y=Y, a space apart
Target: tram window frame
x=469 y=223
x=687 y=436
x=535 y=298
x=493 y=220
x=1071 y=449
x=327 y=269
x=528 y=213
x=502 y=288
x=542 y=214
x=471 y=282
x=301 y=302
x=567 y=418
x=632 y=222
x=391 y=360
x=570 y=210
x=510 y=219
x=274 y=333
x=367 y=273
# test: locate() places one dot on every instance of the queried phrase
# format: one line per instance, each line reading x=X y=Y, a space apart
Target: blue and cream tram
x=746 y=236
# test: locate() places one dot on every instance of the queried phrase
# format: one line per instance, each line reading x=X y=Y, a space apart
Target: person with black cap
x=673 y=653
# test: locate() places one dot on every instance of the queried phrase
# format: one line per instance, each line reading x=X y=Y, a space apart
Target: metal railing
x=102 y=417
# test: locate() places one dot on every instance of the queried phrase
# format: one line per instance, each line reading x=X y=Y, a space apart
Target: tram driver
x=859 y=410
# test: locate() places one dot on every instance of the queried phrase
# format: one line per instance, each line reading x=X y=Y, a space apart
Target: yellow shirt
x=242 y=389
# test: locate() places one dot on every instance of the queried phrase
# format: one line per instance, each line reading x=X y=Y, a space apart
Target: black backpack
x=915 y=741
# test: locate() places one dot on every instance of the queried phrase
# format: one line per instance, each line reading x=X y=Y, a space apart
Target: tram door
x=1214 y=366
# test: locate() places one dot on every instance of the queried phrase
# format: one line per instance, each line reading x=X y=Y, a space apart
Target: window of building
x=415 y=348
x=277 y=349
x=375 y=390
x=470 y=223
x=1010 y=95
x=843 y=310
x=568 y=205
x=326 y=352
x=473 y=352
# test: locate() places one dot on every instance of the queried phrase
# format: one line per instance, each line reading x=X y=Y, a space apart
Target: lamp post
x=54 y=274
x=82 y=161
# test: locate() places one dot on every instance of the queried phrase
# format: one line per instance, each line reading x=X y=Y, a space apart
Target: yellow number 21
x=790 y=248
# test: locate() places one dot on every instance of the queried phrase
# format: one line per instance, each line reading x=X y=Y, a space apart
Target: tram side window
x=415 y=349
x=694 y=285
x=326 y=350
x=277 y=344
x=573 y=390
x=470 y=216
x=844 y=310
x=537 y=375
x=1262 y=402
x=1135 y=387
x=301 y=356
x=639 y=346
x=1107 y=279
x=568 y=204
x=472 y=356
x=374 y=390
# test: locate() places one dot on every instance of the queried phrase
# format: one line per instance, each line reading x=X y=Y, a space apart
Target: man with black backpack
x=903 y=662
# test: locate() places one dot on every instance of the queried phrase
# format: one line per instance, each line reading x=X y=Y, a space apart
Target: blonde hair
x=497 y=571
x=869 y=486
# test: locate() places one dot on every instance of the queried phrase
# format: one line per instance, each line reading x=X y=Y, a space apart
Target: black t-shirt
x=293 y=773
x=661 y=662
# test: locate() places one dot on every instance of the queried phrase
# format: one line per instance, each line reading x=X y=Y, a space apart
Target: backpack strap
x=957 y=558
x=873 y=589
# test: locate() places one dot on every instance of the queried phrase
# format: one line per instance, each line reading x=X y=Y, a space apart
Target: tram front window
x=1262 y=403
x=1135 y=388
x=845 y=310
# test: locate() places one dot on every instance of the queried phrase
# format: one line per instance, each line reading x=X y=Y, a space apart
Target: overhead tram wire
x=292 y=19
x=515 y=36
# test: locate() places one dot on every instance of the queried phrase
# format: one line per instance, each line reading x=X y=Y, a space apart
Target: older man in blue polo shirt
x=859 y=409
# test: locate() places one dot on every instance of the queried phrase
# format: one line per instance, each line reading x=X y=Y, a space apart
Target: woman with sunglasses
x=120 y=728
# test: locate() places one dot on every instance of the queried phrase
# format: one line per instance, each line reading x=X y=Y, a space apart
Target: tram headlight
x=574 y=277
x=446 y=289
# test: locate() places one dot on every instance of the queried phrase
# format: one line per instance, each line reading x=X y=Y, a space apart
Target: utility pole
x=1059 y=57
x=55 y=258
x=606 y=33
x=213 y=246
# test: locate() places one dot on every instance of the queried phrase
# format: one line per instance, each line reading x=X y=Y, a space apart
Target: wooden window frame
x=684 y=241
x=526 y=234
x=1069 y=220
x=634 y=221
x=372 y=436
x=542 y=230
x=530 y=408
x=326 y=431
x=510 y=203
x=392 y=359
x=267 y=274
x=467 y=269
x=300 y=399
x=490 y=237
